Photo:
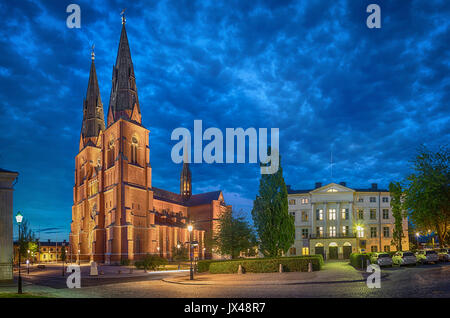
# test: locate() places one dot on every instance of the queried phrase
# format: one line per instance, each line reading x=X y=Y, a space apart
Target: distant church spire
x=93 y=117
x=123 y=102
x=186 y=178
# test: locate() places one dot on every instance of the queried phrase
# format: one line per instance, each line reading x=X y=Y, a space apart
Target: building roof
x=371 y=189
x=8 y=171
x=196 y=199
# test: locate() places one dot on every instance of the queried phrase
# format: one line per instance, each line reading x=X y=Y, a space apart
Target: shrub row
x=267 y=265
x=204 y=265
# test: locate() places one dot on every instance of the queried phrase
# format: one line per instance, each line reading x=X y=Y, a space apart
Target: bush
x=358 y=259
x=124 y=262
x=151 y=262
x=267 y=265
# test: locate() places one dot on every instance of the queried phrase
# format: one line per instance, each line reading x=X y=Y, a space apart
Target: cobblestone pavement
x=419 y=281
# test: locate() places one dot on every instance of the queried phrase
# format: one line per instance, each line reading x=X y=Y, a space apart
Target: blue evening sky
x=311 y=68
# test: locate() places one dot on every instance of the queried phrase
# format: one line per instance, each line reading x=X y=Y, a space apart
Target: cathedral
x=117 y=213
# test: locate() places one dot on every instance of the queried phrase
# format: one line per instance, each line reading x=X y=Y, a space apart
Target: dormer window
x=332 y=190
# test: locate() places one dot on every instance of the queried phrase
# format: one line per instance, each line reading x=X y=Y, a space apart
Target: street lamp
x=191 y=271
x=78 y=257
x=63 y=247
x=28 y=262
x=19 y=219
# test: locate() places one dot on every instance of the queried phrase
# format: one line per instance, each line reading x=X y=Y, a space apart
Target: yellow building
x=48 y=252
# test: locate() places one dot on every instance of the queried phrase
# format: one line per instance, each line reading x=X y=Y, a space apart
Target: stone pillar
x=6 y=224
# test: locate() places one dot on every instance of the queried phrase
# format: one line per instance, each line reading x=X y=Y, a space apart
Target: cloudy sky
x=310 y=68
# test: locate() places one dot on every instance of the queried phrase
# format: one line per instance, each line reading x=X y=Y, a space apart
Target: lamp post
x=28 y=262
x=62 y=260
x=78 y=257
x=417 y=239
x=191 y=271
x=19 y=219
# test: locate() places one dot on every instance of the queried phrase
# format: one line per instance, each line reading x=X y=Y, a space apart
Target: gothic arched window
x=134 y=150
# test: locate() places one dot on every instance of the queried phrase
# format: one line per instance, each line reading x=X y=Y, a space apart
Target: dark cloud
x=312 y=68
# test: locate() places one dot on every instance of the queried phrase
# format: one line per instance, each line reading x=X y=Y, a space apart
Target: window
x=374 y=248
x=332 y=231
x=293 y=214
x=385 y=199
x=291 y=201
x=319 y=215
x=387 y=248
x=293 y=251
x=360 y=214
x=134 y=150
x=360 y=231
x=373 y=214
x=385 y=214
x=304 y=200
x=305 y=233
x=373 y=231
x=345 y=230
x=386 y=231
x=344 y=215
x=360 y=199
x=332 y=214
x=304 y=216
x=373 y=199
x=319 y=231
x=111 y=154
x=305 y=251
x=332 y=190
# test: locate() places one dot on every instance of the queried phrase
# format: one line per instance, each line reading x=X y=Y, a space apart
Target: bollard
x=281 y=268
x=310 y=268
x=240 y=269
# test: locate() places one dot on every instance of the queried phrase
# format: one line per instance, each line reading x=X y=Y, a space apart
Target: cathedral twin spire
x=123 y=103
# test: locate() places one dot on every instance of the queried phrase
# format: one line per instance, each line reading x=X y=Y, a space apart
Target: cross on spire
x=123 y=16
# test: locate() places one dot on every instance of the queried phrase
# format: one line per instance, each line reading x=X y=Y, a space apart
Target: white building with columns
x=335 y=220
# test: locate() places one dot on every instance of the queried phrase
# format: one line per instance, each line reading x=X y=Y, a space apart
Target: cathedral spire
x=186 y=178
x=93 y=117
x=123 y=102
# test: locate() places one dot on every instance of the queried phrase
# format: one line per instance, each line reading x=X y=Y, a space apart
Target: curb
x=278 y=284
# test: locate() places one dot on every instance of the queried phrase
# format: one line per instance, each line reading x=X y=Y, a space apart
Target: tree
x=428 y=191
x=273 y=223
x=396 y=192
x=234 y=235
x=27 y=240
x=63 y=253
x=180 y=253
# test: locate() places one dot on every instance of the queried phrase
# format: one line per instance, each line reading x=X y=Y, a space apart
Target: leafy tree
x=428 y=191
x=234 y=235
x=273 y=223
x=180 y=253
x=27 y=240
x=152 y=262
x=396 y=192
x=63 y=253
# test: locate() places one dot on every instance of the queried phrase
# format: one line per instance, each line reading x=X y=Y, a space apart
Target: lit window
x=305 y=251
x=291 y=201
x=332 y=214
x=332 y=231
x=332 y=190
x=304 y=201
x=319 y=214
x=345 y=230
x=305 y=233
x=304 y=216
x=360 y=231
x=360 y=214
x=319 y=231
x=344 y=215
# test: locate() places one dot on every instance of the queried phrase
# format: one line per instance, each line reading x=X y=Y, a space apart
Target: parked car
x=428 y=256
x=444 y=254
x=404 y=258
x=382 y=259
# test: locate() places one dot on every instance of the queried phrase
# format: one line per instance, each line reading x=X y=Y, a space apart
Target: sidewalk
x=331 y=273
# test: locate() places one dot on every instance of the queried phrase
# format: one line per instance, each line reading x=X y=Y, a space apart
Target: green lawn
x=24 y=295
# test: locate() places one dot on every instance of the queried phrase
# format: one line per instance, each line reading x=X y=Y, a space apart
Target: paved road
x=420 y=281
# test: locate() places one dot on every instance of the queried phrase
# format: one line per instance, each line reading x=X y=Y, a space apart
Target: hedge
x=204 y=265
x=266 y=265
x=357 y=258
